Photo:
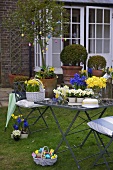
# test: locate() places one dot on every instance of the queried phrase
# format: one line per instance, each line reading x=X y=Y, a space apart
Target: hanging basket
x=43 y=160
x=35 y=96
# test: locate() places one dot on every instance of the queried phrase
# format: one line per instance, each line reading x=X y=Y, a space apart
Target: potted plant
x=20 y=127
x=71 y=57
x=49 y=80
x=97 y=63
x=34 y=90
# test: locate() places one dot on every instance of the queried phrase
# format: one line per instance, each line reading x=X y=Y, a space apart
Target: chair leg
x=37 y=118
x=102 y=151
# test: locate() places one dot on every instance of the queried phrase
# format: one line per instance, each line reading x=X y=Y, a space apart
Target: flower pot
x=97 y=73
x=49 y=85
x=72 y=99
x=79 y=100
x=69 y=72
x=24 y=135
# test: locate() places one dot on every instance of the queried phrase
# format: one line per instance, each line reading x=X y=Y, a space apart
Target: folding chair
x=34 y=109
x=103 y=127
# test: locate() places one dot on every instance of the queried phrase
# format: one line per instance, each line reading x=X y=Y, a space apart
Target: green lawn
x=16 y=155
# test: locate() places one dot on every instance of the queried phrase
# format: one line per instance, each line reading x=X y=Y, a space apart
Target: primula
x=96 y=82
x=45 y=73
x=33 y=85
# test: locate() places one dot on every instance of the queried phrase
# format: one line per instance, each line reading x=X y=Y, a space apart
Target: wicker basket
x=43 y=161
x=35 y=96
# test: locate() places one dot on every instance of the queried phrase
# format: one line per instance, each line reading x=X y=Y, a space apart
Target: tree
x=39 y=19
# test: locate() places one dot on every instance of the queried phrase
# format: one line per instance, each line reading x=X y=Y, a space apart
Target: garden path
x=4 y=96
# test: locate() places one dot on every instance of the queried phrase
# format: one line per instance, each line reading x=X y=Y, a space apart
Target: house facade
x=91 y=25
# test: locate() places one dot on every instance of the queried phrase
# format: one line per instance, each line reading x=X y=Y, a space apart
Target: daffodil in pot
x=34 y=90
x=96 y=84
x=60 y=94
x=49 y=80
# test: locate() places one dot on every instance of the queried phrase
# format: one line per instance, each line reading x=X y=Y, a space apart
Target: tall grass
x=16 y=155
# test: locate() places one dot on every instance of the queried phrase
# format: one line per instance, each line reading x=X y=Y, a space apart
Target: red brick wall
x=5 y=47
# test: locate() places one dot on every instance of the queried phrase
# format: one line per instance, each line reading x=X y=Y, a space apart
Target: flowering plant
x=33 y=85
x=61 y=94
x=78 y=82
x=96 y=82
x=84 y=93
x=45 y=73
x=20 y=124
x=16 y=133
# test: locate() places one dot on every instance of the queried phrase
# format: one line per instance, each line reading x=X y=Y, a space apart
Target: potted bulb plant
x=71 y=57
x=97 y=63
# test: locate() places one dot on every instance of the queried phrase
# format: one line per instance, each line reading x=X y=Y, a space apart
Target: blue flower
x=25 y=124
x=19 y=120
x=78 y=81
x=15 y=127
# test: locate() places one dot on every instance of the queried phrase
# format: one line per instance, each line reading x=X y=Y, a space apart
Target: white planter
x=72 y=99
x=79 y=100
x=35 y=96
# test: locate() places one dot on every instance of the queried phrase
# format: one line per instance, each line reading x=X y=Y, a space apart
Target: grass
x=16 y=155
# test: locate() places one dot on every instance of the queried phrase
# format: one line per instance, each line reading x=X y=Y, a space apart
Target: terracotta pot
x=97 y=73
x=12 y=77
x=69 y=72
x=49 y=85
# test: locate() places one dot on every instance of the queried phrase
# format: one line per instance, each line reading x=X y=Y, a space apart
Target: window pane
x=76 y=41
x=91 y=46
x=67 y=34
x=91 y=15
x=76 y=31
x=91 y=31
x=99 y=15
x=99 y=31
x=107 y=16
x=107 y=31
x=67 y=42
x=56 y=45
x=106 y=46
x=98 y=46
x=75 y=15
x=56 y=60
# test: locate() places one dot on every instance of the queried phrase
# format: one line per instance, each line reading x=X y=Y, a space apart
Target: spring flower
x=96 y=82
x=33 y=85
x=78 y=82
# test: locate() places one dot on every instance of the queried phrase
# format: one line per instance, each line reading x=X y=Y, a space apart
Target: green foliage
x=73 y=55
x=21 y=78
x=97 y=62
x=20 y=152
x=38 y=19
x=45 y=73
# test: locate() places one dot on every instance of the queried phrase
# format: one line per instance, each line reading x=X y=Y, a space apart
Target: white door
x=98 y=32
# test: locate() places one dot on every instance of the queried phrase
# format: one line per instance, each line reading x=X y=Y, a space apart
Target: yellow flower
x=51 y=69
x=96 y=82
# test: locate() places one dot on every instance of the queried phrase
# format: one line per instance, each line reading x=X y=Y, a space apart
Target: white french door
x=98 y=32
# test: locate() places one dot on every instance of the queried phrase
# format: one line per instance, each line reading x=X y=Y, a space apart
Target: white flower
x=16 y=132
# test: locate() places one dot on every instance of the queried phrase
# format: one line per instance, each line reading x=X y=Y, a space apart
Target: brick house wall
x=5 y=51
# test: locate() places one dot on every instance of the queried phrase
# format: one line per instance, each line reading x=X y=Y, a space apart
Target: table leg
x=64 y=135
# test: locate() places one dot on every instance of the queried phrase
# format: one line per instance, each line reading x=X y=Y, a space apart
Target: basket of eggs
x=44 y=156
